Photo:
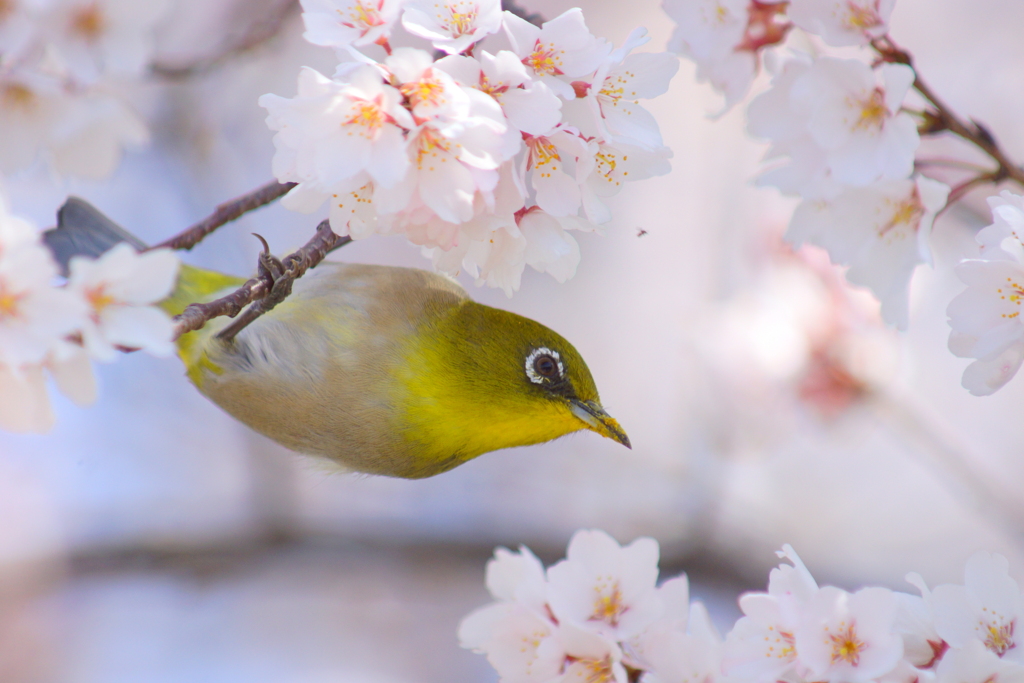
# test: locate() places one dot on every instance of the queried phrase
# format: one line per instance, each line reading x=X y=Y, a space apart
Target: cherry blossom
x=724 y=37
x=347 y=23
x=91 y=38
x=974 y=663
x=985 y=318
x=621 y=80
x=843 y=22
x=848 y=121
x=880 y=231
x=452 y=25
x=988 y=609
x=681 y=655
x=120 y=287
x=604 y=587
x=557 y=52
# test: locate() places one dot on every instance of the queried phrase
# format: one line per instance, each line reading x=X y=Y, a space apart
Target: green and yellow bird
x=385 y=370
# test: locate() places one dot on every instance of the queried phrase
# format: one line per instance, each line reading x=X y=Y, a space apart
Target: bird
x=380 y=369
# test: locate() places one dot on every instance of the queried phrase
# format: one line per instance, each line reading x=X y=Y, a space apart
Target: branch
x=226 y=213
x=944 y=118
x=271 y=286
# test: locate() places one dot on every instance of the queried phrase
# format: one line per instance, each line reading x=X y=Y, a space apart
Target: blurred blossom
x=724 y=38
x=985 y=318
x=843 y=22
x=452 y=25
x=880 y=231
x=120 y=288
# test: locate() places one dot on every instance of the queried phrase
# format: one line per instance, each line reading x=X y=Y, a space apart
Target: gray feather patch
x=82 y=229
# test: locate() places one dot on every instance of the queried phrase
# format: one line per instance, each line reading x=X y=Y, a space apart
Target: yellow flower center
x=364 y=15
x=543 y=155
x=598 y=670
x=431 y=149
x=89 y=23
x=906 y=213
x=9 y=301
x=860 y=18
x=784 y=644
x=99 y=299
x=544 y=59
x=424 y=91
x=873 y=111
x=367 y=119
x=999 y=638
x=459 y=23
x=846 y=647
x=18 y=96
x=608 y=605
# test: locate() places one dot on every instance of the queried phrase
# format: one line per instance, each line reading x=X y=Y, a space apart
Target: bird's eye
x=544 y=366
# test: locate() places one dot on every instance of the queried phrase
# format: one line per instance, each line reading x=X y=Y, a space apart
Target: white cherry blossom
x=849 y=638
x=1007 y=222
x=91 y=38
x=531 y=107
x=690 y=655
x=987 y=609
x=332 y=131
x=592 y=658
x=549 y=247
x=346 y=23
x=880 y=231
x=843 y=22
x=974 y=663
x=604 y=587
x=452 y=25
x=621 y=80
x=762 y=645
x=557 y=52
x=615 y=164
x=120 y=288
x=842 y=117
x=985 y=318
x=551 y=161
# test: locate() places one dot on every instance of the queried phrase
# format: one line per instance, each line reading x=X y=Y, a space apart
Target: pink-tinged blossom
x=881 y=232
x=987 y=609
x=614 y=165
x=19 y=25
x=452 y=26
x=985 y=318
x=92 y=38
x=724 y=38
x=559 y=51
x=530 y=106
x=621 y=80
x=840 y=120
x=848 y=637
x=551 y=163
x=606 y=588
x=843 y=23
x=121 y=287
x=692 y=654
x=974 y=663
x=347 y=23
x=332 y=131
x=549 y=246
x=81 y=134
x=762 y=645
x=592 y=658
x=515 y=632
x=430 y=92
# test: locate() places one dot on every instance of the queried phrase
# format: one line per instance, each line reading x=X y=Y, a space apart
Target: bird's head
x=480 y=379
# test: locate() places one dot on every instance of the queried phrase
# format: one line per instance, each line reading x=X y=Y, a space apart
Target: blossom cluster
x=599 y=616
x=487 y=159
x=63 y=68
x=841 y=137
x=55 y=328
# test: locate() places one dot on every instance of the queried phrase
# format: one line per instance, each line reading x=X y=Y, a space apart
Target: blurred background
x=151 y=538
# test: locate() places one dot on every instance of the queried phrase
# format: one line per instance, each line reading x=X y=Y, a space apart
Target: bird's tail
x=83 y=230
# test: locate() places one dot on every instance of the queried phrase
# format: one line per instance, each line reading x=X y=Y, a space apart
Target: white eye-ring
x=537 y=374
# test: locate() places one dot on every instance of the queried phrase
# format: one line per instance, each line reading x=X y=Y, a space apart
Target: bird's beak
x=598 y=420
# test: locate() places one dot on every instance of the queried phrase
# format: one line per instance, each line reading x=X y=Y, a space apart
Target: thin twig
x=284 y=275
x=226 y=213
x=267 y=286
x=944 y=119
